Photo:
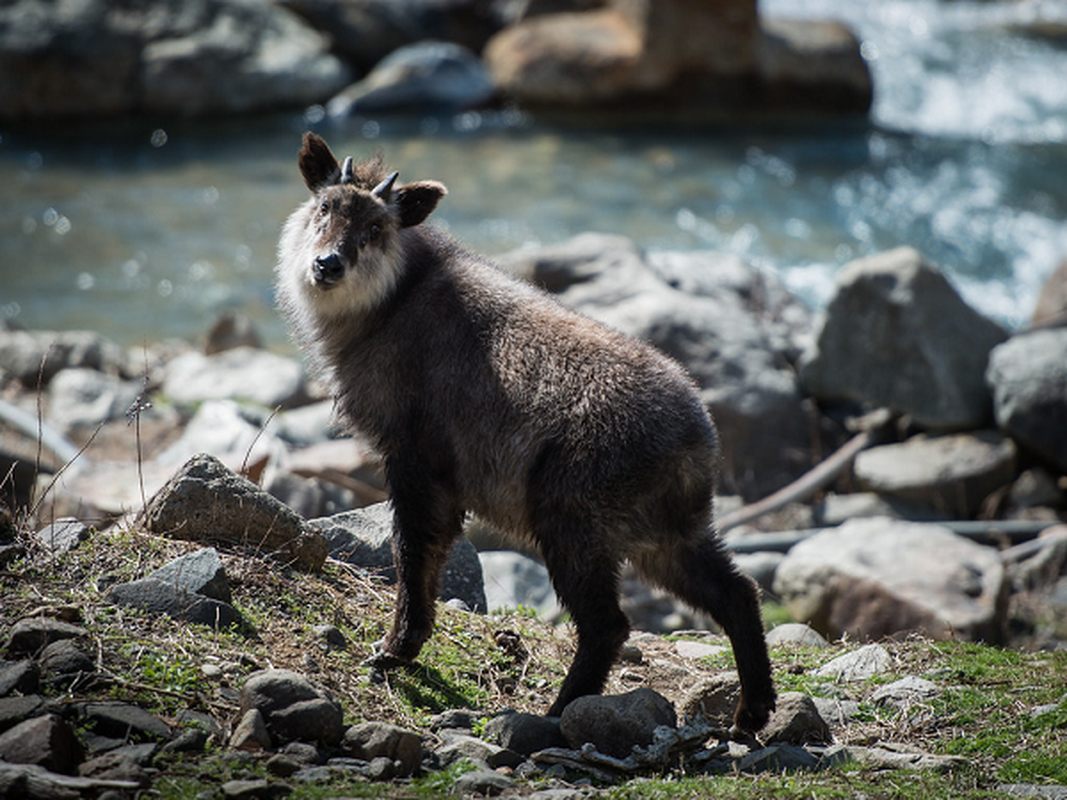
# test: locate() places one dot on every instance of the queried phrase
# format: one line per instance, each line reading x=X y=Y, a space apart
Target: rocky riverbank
x=936 y=508
x=667 y=60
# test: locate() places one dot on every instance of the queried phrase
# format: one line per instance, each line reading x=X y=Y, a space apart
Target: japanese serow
x=483 y=394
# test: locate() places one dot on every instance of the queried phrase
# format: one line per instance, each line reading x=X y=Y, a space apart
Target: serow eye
x=375 y=231
x=324 y=209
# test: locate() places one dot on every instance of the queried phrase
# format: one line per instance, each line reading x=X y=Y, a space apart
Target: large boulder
x=871 y=578
x=105 y=58
x=430 y=75
x=30 y=356
x=1028 y=375
x=364 y=538
x=736 y=349
x=897 y=334
x=366 y=31
x=205 y=501
x=241 y=373
x=950 y=474
x=693 y=60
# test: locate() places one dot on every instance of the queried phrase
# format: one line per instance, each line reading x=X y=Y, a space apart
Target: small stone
x=46 y=740
x=32 y=634
x=615 y=724
x=19 y=676
x=483 y=783
x=370 y=740
x=714 y=698
x=251 y=732
x=797 y=634
x=687 y=649
x=857 y=665
x=524 y=733
x=62 y=535
x=796 y=721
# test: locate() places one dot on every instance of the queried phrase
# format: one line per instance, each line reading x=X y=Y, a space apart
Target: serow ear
x=317 y=164
x=416 y=200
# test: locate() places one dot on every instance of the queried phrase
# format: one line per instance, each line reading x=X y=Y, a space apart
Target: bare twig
x=255 y=439
x=810 y=482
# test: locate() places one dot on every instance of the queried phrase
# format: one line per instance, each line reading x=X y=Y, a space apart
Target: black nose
x=328 y=269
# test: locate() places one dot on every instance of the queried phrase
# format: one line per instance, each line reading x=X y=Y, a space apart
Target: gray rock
x=478 y=751
x=615 y=724
x=123 y=721
x=47 y=741
x=62 y=535
x=897 y=334
x=513 y=579
x=306 y=425
x=293 y=708
x=19 y=676
x=482 y=783
x=778 y=758
x=856 y=665
x=871 y=578
x=126 y=764
x=331 y=636
x=27 y=355
x=206 y=501
x=893 y=755
x=714 y=698
x=316 y=720
x=163 y=597
x=84 y=398
x=32 y=634
x=250 y=789
x=795 y=633
x=250 y=732
x=1028 y=376
x=905 y=693
x=524 y=733
x=370 y=740
x=367 y=32
x=427 y=76
x=193 y=587
x=14 y=710
x=836 y=711
x=838 y=508
x=733 y=350
x=950 y=474
x=200 y=572
x=797 y=721
x=1030 y=790
x=162 y=57
x=243 y=373
x=63 y=661
x=228 y=431
x=364 y=538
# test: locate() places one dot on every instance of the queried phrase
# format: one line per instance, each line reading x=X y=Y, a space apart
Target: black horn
x=346 y=171
x=384 y=189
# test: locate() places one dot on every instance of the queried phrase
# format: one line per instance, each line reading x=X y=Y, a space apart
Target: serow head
x=357 y=213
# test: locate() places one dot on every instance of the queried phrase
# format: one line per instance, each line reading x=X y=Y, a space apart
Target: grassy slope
x=987 y=712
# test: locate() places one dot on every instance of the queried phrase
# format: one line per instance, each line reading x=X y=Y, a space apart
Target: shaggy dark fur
x=484 y=394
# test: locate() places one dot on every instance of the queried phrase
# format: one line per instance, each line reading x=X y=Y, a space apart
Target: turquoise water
x=150 y=229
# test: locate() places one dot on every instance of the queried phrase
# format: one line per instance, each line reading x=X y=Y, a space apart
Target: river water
x=149 y=229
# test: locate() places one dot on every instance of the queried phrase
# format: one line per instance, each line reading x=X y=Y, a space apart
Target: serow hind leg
x=704 y=576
